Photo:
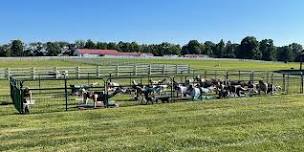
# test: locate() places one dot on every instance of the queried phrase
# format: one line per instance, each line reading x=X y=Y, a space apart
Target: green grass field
x=254 y=124
x=245 y=124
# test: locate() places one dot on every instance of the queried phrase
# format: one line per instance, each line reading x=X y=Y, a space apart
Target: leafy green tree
x=175 y=49
x=185 y=50
x=53 y=49
x=166 y=48
x=80 y=44
x=16 y=48
x=134 y=47
x=209 y=48
x=90 y=45
x=112 y=46
x=268 y=50
x=37 y=49
x=296 y=50
x=101 y=45
x=219 y=50
x=193 y=47
x=230 y=50
x=249 y=49
x=3 y=52
x=124 y=47
x=285 y=54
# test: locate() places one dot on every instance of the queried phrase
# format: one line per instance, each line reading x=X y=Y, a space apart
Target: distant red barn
x=95 y=52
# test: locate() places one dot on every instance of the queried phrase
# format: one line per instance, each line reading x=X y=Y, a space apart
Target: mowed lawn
x=246 y=124
x=253 y=124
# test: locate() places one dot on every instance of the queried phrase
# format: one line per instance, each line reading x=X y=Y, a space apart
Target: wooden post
x=193 y=74
x=239 y=75
x=150 y=69
x=135 y=70
x=33 y=73
x=163 y=70
x=97 y=71
x=189 y=69
x=302 y=83
x=78 y=72
x=117 y=70
x=88 y=78
x=55 y=71
x=65 y=93
x=301 y=70
x=284 y=83
x=227 y=75
x=130 y=79
x=8 y=73
x=287 y=87
x=172 y=90
x=205 y=74
x=271 y=78
x=176 y=69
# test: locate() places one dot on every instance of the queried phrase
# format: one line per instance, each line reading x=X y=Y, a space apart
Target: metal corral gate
x=99 y=71
x=16 y=94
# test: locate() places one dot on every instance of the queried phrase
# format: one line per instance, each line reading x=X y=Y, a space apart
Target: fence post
x=205 y=74
x=287 y=87
x=302 y=83
x=176 y=69
x=66 y=93
x=172 y=90
x=300 y=77
x=88 y=78
x=117 y=70
x=8 y=73
x=135 y=70
x=107 y=93
x=215 y=74
x=130 y=79
x=163 y=70
x=284 y=83
x=39 y=83
x=189 y=69
x=56 y=73
x=271 y=78
x=97 y=71
x=239 y=75
x=227 y=75
x=33 y=73
x=78 y=72
x=267 y=76
x=193 y=74
x=150 y=69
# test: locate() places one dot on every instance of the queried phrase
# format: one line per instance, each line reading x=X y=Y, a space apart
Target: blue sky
x=152 y=21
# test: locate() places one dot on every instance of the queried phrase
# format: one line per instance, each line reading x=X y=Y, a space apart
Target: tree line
x=249 y=48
